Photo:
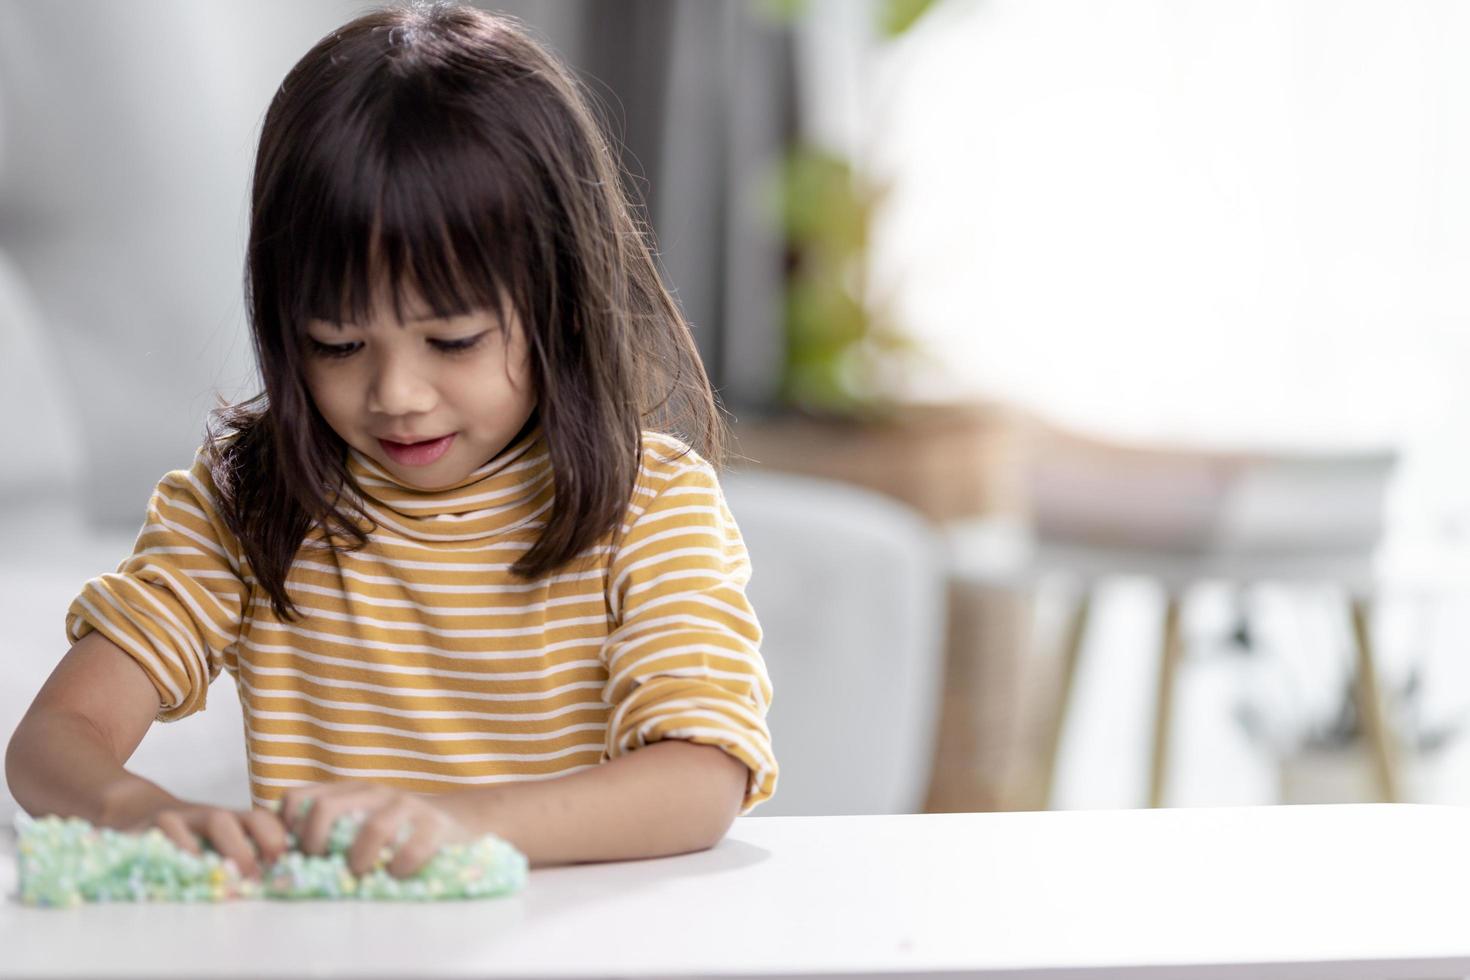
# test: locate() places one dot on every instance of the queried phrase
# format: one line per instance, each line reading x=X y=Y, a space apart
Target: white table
x=1260 y=892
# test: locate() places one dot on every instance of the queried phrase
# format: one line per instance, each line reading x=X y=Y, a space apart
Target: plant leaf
x=897 y=16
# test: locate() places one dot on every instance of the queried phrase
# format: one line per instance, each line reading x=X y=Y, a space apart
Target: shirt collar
x=509 y=491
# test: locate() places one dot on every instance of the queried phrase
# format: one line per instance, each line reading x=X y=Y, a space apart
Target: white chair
x=849 y=586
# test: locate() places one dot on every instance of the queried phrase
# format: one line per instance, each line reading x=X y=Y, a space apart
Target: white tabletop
x=1261 y=892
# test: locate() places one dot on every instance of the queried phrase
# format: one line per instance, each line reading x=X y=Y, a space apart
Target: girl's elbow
x=722 y=819
x=727 y=797
x=722 y=780
x=708 y=833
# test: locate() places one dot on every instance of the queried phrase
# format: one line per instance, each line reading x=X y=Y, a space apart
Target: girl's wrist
x=129 y=799
x=478 y=810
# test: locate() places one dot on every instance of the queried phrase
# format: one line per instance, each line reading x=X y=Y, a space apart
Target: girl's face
x=460 y=387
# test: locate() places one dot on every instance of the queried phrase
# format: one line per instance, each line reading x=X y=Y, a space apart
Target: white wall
x=1230 y=223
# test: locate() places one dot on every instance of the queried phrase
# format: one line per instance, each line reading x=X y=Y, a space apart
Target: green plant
x=841 y=341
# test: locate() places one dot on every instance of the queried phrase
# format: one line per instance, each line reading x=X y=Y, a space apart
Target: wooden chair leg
x=1173 y=643
x=1057 y=717
x=1371 y=706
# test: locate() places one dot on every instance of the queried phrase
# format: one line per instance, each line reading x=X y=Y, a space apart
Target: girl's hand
x=249 y=837
x=388 y=810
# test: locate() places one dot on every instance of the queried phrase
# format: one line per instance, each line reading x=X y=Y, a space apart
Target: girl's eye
x=460 y=346
x=444 y=346
x=332 y=350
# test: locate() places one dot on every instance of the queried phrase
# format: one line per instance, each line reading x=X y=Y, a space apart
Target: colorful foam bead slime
x=67 y=861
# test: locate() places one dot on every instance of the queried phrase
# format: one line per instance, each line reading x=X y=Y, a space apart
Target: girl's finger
x=268 y=832
x=223 y=829
x=379 y=829
x=177 y=829
x=328 y=807
x=418 y=849
x=295 y=804
x=284 y=806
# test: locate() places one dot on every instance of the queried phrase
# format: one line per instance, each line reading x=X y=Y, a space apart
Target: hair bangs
x=409 y=214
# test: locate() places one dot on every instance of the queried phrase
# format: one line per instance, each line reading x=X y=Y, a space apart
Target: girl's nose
x=398 y=389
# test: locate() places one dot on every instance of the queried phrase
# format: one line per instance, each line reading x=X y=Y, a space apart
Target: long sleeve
x=683 y=658
x=176 y=603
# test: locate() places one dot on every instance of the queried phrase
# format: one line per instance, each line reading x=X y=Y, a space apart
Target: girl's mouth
x=417 y=453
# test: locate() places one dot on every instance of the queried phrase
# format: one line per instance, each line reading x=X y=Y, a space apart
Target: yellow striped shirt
x=421 y=662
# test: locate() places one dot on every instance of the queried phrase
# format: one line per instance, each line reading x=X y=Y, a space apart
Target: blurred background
x=1094 y=368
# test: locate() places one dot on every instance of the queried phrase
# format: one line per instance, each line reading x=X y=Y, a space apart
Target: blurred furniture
x=41 y=441
x=849 y=587
x=948 y=462
x=1181 y=516
x=1266 y=893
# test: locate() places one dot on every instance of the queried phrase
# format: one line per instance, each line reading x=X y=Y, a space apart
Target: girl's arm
x=669 y=797
x=66 y=755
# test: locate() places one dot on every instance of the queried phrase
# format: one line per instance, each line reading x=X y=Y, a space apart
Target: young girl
x=459 y=582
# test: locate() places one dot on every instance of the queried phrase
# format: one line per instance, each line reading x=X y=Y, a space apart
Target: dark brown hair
x=439 y=148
